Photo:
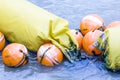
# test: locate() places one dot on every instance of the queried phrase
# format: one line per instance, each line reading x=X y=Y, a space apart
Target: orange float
x=49 y=55
x=2 y=41
x=113 y=24
x=91 y=22
x=15 y=55
x=88 y=41
x=78 y=36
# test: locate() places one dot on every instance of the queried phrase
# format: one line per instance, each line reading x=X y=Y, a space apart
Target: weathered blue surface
x=86 y=69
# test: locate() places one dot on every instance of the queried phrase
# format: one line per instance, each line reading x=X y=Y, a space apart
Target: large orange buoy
x=88 y=41
x=91 y=22
x=15 y=55
x=78 y=36
x=2 y=41
x=49 y=55
x=113 y=24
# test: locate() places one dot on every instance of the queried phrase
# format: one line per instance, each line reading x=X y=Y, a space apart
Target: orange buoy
x=113 y=24
x=2 y=41
x=15 y=55
x=88 y=41
x=91 y=22
x=49 y=55
x=79 y=37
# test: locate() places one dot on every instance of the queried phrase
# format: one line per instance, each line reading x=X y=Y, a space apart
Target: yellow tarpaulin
x=23 y=22
x=109 y=43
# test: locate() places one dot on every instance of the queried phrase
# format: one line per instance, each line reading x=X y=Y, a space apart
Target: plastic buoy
x=2 y=41
x=49 y=55
x=113 y=24
x=91 y=22
x=15 y=55
x=79 y=37
x=88 y=41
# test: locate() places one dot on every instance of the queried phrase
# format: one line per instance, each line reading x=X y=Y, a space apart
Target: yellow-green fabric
x=109 y=43
x=26 y=23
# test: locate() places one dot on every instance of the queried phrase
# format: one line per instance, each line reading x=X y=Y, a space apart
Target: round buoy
x=15 y=55
x=2 y=41
x=78 y=36
x=88 y=41
x=113 y=24
x=91 y=22
x=49 y=55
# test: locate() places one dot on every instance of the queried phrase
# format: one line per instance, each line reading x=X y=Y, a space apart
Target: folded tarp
x=109 y=44
x=28 y=24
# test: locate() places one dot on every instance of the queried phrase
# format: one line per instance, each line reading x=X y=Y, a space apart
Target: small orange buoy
x=15 y=55
x=113 y=24
x=91 y=22
x=49 y=55
x=2 y=41
x=78 y=36
x=88 y=41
